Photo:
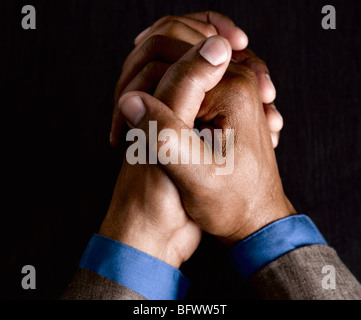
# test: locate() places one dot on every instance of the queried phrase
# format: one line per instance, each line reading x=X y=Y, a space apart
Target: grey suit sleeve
x=87 y=285
x=298 y=275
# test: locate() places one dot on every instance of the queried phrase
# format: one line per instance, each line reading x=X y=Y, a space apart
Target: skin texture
x=154 y=209
x=146 y=211
x=166 y=42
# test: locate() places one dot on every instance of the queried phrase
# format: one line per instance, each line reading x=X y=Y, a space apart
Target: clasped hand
x=192 y=72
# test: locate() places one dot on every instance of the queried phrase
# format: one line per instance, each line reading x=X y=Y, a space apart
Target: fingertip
x=224 y=26
x=236 y=37
x=240 y=40
x=216 y=50
x=275 y=137
x=274 y=118
x=132 y=108
x=267 y=88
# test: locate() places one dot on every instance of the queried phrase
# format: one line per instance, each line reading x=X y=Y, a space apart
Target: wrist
x=143 y=236
x=260 y=218
x=273 y=241
x=136 y=270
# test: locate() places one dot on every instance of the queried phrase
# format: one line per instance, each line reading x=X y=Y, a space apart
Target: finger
x=185 y=83
x=175 y=29
x=225 y=27
x=267 y=89
x=183 y=88
x=146 y=80
x=164 y=132
x=275 y=136
x=274 y=118
x=156 y=48
x=204 y=28
x=185 y=28
x=208 y=23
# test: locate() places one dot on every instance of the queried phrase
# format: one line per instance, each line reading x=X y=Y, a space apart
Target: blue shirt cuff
x=134 y=269
x=273 y=241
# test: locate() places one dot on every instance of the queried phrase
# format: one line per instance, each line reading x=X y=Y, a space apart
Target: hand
x=136 y=222
x=166 y=41
x=146 y=210
x=229 y=206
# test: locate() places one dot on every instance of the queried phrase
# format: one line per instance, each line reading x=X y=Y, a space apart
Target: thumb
x=184 y=85
x=162 y=137
x=166 y=120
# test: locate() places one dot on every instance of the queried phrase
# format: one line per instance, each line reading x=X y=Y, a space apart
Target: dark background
x=59 y=171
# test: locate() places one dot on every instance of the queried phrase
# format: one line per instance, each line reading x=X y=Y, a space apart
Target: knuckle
x=210 y=30
x=153 y=70
x=244 y=78
x=148 y=71
x=170 y=28
x=173 y=27
x=150 y=67
x=250 y=76
x=148 y=49
x=153 y=45
x=185 y=74
x=154 y=41
x=249 y=91
x=244 y=87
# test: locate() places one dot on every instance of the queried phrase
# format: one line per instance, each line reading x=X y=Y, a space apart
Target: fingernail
x=133 y=109
x=141 y=35
x=214 y=51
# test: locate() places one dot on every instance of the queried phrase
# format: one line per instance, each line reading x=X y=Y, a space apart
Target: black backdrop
x=59 y=170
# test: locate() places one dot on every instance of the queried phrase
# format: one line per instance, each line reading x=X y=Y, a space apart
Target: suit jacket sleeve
x=88 y=285
x=298 y=275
